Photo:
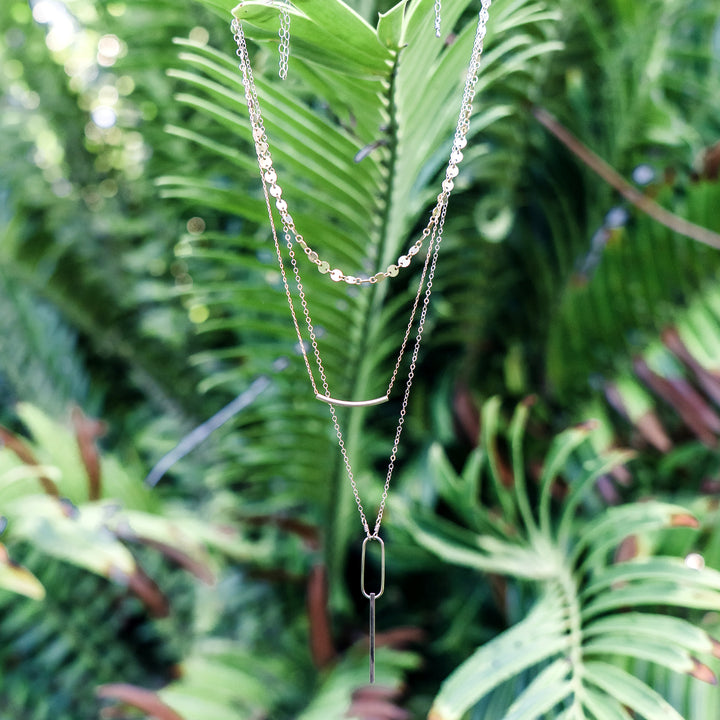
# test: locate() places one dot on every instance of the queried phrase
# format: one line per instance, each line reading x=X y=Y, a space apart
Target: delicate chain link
x=411 y=320
x=284 y=35
x=456 y=156
x=411 y=372
x=433 y=231
x=438 y=11
x=263 y=151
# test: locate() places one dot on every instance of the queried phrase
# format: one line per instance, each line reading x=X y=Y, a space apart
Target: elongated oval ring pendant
x=352 y=403
x=371 y=595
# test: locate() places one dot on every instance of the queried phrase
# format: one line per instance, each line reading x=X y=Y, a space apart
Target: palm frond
x=593 y=607
x=39 y=357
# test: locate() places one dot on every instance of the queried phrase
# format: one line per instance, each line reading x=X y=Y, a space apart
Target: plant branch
x=629 y=192
x=569 y=589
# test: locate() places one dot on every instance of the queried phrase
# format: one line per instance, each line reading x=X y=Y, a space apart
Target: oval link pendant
x=372 y=597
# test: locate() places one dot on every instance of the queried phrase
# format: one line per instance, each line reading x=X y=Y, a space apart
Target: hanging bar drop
x=372 y=638
x=372 y=596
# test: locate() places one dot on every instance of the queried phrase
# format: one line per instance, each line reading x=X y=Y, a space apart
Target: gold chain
x=284 y=35
x=270 y=176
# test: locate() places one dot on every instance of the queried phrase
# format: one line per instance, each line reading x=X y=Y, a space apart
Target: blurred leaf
x=590 y=607
x=630 y=691
x=18 y=579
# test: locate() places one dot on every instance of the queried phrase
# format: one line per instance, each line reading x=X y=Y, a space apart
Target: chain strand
x=284 y=35
x=411 y=374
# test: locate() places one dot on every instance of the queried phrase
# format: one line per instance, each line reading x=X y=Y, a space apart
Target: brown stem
x=139 y=698
x=628 y=191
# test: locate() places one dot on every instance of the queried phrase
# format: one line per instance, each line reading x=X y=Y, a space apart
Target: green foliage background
x=551 y=554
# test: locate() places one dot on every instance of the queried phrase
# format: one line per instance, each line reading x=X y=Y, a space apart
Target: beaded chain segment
x=456 y=155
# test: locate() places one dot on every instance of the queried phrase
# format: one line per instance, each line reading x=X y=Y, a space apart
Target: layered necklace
x=431 y=234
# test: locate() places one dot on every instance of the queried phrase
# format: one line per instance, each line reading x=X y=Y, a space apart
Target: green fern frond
x=39 y=358
x=592 y=610
x=86 y=631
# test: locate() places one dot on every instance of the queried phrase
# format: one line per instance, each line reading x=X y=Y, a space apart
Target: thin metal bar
x=372 y=638
x=203 y=431
x=352 y=403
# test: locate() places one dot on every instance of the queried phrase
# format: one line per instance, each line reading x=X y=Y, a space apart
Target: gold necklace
x=432 y=232
x=270 y=175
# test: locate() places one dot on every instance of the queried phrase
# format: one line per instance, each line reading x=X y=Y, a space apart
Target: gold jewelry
x=284 y=35
x=271 y=178
x=433 y=232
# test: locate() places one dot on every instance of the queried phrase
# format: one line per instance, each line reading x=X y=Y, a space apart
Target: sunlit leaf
x=17 y=579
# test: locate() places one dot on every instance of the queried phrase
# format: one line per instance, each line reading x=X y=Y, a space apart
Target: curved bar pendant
x=352 y=403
